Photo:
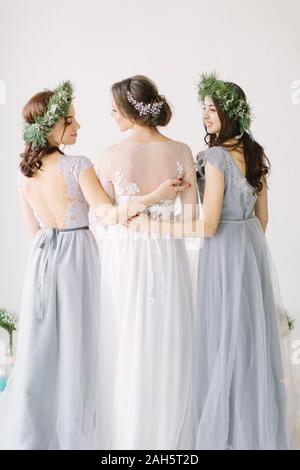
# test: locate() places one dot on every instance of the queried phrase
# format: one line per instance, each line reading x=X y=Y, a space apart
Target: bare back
x=54 y=194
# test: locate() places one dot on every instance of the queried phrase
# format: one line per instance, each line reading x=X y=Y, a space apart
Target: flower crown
x=153 y=108
x=228 y=99
x=36 y=134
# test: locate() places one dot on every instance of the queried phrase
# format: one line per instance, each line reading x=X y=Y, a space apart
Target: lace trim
x=180 y=167
x=239 y=180
x=77 y=208
x=236 y=176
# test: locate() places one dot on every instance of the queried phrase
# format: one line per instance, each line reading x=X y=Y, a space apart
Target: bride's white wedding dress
x=146 y=306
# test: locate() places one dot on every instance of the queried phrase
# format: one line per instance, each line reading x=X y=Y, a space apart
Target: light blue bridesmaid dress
x=239 y=379
x=50 y=399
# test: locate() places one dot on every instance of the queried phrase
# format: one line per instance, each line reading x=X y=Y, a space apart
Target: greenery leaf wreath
x=36 y=133
x=228 y=99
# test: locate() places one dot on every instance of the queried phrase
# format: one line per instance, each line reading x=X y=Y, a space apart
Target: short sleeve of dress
x=215 y=156
x=83 y=163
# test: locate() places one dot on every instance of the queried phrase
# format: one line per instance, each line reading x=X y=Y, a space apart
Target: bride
x=146 y=311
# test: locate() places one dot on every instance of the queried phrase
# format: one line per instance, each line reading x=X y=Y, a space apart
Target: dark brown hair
x=257 y=164
x=142 y=89
x=32 y=159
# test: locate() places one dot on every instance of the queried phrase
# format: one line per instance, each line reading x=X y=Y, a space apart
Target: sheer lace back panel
x=129 y=170
x=54 y=193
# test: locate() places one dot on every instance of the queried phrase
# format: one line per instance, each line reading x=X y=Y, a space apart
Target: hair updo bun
x=144 y=94
x=32 y=159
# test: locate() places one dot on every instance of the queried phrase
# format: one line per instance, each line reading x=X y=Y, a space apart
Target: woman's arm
x=112 y=215
x=261 y=206
x=211 y=208
x=204 y=227
x=212 y=199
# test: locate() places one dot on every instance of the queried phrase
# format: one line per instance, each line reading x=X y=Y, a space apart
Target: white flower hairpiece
x=143 y=109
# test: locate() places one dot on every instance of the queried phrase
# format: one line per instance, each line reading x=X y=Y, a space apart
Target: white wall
x=94 y=43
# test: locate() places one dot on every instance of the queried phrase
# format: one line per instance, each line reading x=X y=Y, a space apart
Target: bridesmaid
x=51 y=398
x=240 y=393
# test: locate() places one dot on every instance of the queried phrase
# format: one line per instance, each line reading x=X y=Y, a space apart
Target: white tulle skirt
x=145 y=342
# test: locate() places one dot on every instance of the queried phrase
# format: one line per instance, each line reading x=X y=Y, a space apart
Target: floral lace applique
x=180 y=168
x=129 y=190
x=237 y=177
x=165 y=210
x=78 y=208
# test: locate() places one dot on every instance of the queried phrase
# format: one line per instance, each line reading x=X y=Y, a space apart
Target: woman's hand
x=141 y=221
x=169 y=189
